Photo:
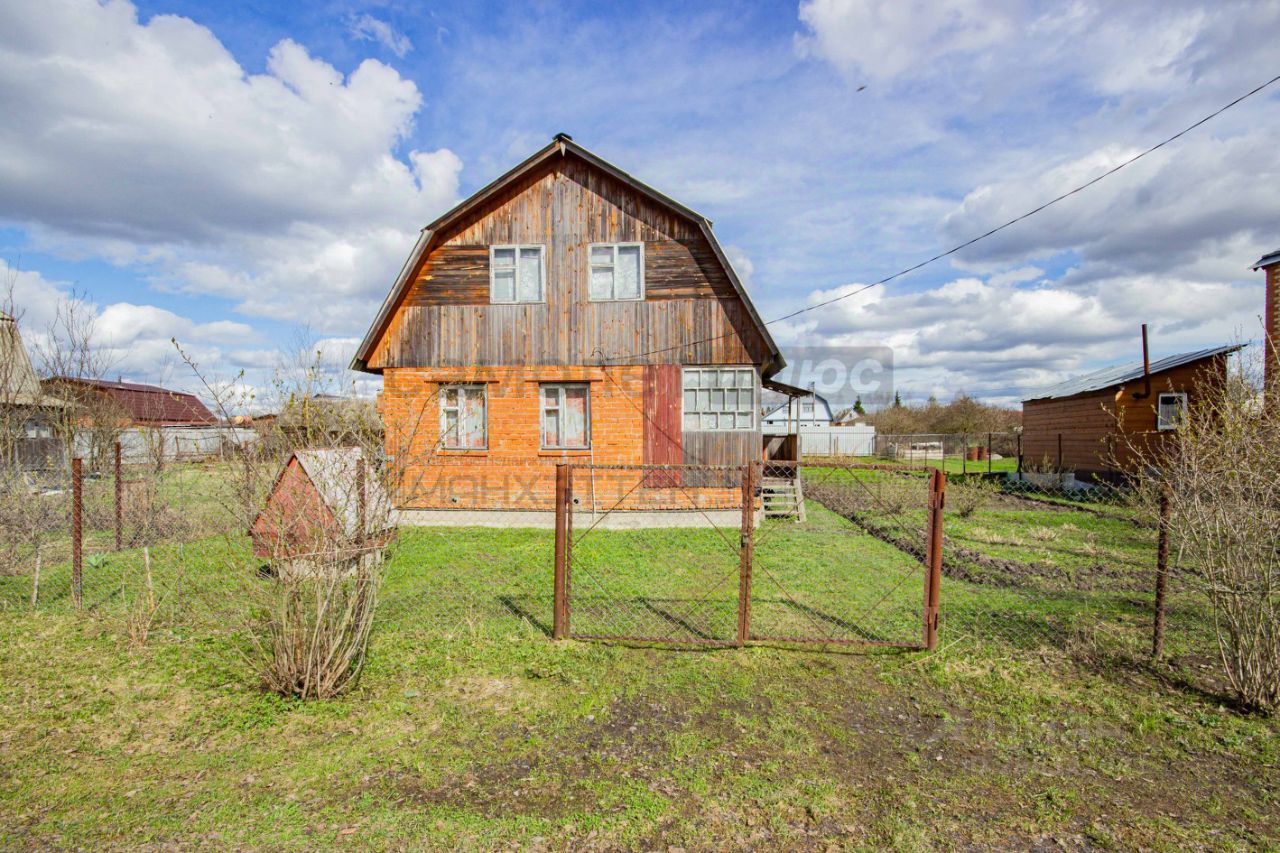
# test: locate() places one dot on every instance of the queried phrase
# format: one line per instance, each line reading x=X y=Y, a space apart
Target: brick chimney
x=1270 y=266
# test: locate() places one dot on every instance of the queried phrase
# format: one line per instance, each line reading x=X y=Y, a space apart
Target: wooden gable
x=693 y=311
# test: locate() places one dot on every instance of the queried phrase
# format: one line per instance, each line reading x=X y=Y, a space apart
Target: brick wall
x=514 y=472
x=1271 y=325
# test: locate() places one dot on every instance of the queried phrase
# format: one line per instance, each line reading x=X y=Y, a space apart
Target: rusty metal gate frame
x=747 y=563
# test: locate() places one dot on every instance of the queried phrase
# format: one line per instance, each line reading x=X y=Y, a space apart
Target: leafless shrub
x=964 y=499
x=311 y=492
x=1221 y=472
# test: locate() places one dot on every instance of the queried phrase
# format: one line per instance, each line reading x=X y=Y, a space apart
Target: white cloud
x=999 y=336
x=149 y=144
x=368 y=28
x=884 y=40
x=132 y=341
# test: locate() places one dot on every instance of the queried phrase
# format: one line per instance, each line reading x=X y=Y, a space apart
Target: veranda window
x=719 y=398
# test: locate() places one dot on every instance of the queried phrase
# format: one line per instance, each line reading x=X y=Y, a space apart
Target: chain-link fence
x=826 y=552
x=959 y=453
x=728 y=555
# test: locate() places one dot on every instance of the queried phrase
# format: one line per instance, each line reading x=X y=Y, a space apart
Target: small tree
x=1221 y=471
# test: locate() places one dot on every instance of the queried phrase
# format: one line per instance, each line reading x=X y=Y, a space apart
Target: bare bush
x=1221 y=469
x=964 y=499
x=311 y=493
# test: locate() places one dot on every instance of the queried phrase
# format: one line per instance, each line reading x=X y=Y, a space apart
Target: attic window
x=617 y=271
x=516 y=274
x=1171 y=410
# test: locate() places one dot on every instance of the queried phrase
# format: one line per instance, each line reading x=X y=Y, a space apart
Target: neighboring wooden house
x=28 y=416
x=322 y=510
x=1086 y=424
x=565 y=312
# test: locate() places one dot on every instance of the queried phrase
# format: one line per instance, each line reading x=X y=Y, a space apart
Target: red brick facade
x=1271 y=325
x=514 y=471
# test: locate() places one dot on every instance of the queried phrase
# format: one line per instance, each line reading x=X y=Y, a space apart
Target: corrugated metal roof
x=150 y=404
x=1119 y=374
x=333 y=471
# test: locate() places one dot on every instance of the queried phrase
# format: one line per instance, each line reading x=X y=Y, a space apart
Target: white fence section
x=141 y=444
x=816 y=440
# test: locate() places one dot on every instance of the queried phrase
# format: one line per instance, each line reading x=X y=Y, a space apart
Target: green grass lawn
x=471 y=729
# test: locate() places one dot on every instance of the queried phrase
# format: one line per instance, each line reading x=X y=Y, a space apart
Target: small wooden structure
x=1087 y=424
x=325 y=512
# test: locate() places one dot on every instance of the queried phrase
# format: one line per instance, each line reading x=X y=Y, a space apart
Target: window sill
x=458 y=451
x=576 y=452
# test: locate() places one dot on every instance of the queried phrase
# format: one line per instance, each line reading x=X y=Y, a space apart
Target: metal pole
x=933 y=554
x=558 y=629
x=1019 y=453
x=964 y=454
x=1162 y=574
x=119 y=501
x=1059 y=471
x=988 y=453
x=746 y=552
x=77 y=520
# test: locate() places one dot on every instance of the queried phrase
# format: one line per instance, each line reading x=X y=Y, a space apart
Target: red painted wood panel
x=662 y=426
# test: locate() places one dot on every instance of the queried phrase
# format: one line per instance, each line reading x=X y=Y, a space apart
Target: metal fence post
x=559 y=617
x=746 y=551
x=119 y=501
x=1019 y=453
x=1059 y=469
x=1162 y=573
x=77 y=521
x=933 y=555
x=988 y=453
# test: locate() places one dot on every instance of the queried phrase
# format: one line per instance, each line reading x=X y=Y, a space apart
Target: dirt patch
x=630 y=739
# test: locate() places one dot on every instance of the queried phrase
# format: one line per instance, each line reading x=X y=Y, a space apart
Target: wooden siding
x=1097 y=428
x=445 y=319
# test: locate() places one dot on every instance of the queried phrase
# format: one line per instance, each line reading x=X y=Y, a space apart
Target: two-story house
x=565 y=312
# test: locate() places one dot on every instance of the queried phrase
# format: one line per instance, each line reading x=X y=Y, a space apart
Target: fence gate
x=726 y=555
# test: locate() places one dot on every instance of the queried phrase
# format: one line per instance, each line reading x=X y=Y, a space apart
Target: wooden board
x=690 y=314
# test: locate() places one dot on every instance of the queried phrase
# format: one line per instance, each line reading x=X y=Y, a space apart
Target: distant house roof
x=1109 y=377
x=149 y=405
x=782 y=406
x=1268 y=259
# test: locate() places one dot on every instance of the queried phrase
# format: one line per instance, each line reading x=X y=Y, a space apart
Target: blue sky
x=229 y=174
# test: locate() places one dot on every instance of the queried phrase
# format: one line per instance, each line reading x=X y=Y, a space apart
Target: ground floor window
x=464 y=417
x=566 y=417
x=719 y=398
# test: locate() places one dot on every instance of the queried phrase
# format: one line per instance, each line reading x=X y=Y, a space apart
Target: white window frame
x=1166 y=426
x=613 y=264
x=444 y=434
x=515 y=290
x=542 y=414
x=754 y=408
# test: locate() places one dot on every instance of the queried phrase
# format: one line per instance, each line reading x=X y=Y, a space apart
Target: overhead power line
x=996 y=230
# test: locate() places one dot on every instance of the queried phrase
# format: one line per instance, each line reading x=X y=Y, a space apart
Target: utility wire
x=967 y=243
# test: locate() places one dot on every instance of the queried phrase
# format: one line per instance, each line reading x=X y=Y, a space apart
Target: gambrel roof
x=561 y=146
